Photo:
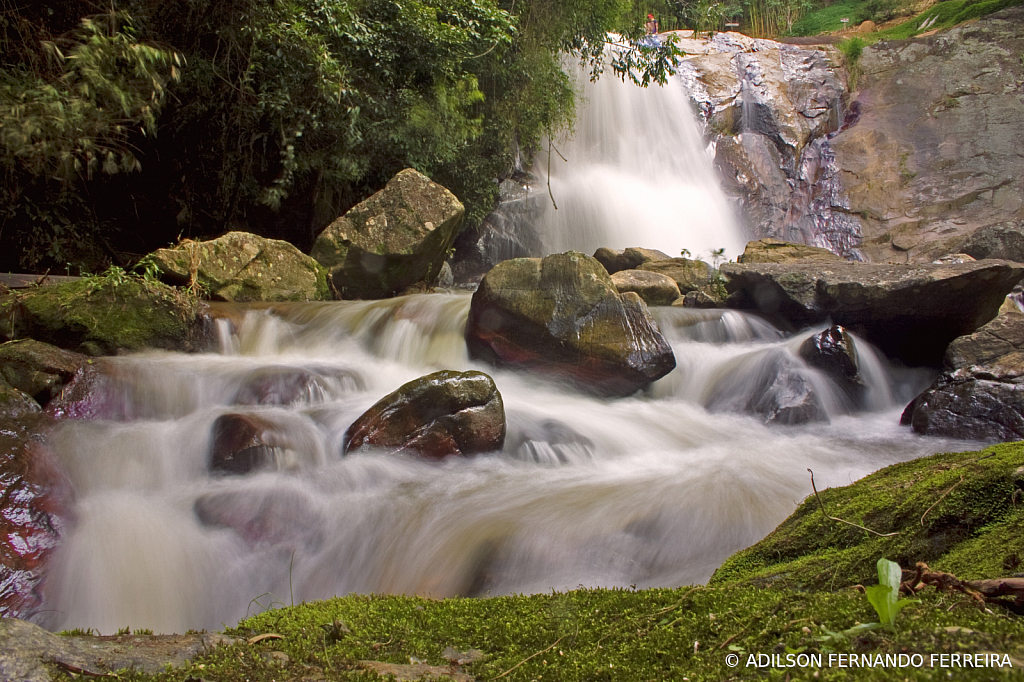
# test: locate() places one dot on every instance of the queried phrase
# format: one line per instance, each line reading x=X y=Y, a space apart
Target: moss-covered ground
x=788 y=596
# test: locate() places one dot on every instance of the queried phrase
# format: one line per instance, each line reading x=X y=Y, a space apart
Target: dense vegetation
x=129 y=124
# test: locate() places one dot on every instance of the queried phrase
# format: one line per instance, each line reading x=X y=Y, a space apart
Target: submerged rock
x=398 y=237
x=653 y=287
x=280 y=386
x=562 y=315
x=271 y=516
x=774 y=387
x=245 y=267
x=910 y=312
x=244 y=443
x=436 y=416
x=980 y=395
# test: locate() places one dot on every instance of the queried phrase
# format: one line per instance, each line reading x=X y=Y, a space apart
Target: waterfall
x=652 y=490
x=635 y=172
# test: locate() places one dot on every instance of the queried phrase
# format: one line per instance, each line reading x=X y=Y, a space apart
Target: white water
x=648 y=490
x=635 y=173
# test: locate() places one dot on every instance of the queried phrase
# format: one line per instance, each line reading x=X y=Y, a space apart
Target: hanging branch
x=848 y=523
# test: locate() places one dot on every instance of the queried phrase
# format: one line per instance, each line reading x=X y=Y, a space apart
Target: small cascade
x=652 y=490
x=635 y=173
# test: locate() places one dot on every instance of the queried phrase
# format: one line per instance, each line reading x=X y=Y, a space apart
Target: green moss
x=105 y=314
x=949 y=510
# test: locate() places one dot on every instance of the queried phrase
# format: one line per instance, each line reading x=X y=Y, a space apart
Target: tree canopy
x=129 y=125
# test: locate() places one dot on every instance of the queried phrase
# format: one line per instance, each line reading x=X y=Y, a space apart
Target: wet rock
x=28 y=653
x=769 y=250
x=90 y=395
x=834 y=353
x=438 y=415
x=30 y=513
x=698 y=299
x=933 y=154
x=271 y=516
x=244 y=443
x=104 y=316
x=38 y=369
x=1005 y=240
x=280 y=386
x=398 y=237
x=910 y=312
x=653 y=287
x=245 y=267
x=980 y=394
x=773 y=387
x=627 y=259
x=561 y=315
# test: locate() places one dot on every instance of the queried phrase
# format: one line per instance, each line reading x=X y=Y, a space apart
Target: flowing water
x=654 y=489
x=634 y=173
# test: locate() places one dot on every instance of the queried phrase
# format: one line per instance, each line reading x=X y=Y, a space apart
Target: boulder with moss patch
x=398 y=237
x=105 y=315
x=244 y=267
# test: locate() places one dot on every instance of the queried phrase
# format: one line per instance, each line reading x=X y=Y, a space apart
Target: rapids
x=650 y=490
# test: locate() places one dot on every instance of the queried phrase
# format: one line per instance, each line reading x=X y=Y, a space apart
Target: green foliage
x=941 y=15
x=852 y=48
x=884 y=596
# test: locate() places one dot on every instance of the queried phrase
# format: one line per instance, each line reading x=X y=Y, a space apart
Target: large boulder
x=105 y=315
x=398 y=237
x=244 y=267
x=627 y=259
x=930 y=152
x=653 y=287
x=438 y=415
x=769 y=250
x=980 y=395
x=562 y=314
x=1005 y=241
x=38 y=369
x=910 y=312
x=689 y=275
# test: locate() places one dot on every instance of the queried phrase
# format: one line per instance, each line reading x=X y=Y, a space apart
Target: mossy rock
x=954 y=511
x=104 y=315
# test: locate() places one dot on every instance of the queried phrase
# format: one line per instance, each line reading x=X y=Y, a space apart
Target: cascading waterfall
x=634 y=173
x=656 y=489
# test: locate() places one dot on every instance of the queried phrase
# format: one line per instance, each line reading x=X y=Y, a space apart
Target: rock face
x=1005 y=241
x=436 y=416
x=769 y=250
x=930 y=151
x=104 y=316
x=980 y=395
x=768 y=107
x=245 y=267
x=910 y=312
x=28 y=652
x=398 y=237
x=563 y=316
x=653 y=287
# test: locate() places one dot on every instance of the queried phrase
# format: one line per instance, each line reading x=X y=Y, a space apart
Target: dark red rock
x=241 y=444
x=438 y=415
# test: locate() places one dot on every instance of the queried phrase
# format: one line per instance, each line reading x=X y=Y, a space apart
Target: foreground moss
x=658 y=634
x=955 y=511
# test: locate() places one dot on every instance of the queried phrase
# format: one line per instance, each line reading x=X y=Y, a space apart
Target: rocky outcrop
x=768 y=108
x=104 y=315
x=627 y=259
x=769 y=250
x=930 y=151
x=563 y=316
x=910 y=312
x=980 y=395
x=398 y=237
x=244 y=267
x=439 y=415
x=653 y=287
x=28 y=653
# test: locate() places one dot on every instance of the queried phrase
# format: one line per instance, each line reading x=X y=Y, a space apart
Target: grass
x=945 y=15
